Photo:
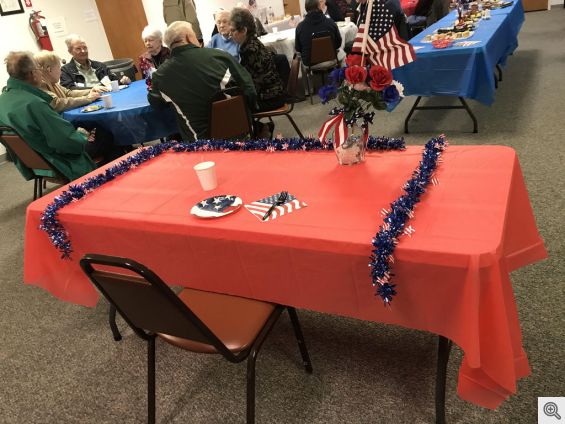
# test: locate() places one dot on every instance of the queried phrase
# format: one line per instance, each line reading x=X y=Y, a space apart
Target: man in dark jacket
x=81 y=72
x=191 y=77
x=314 y=22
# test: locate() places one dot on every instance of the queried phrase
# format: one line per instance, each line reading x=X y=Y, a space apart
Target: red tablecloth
x=453 y=274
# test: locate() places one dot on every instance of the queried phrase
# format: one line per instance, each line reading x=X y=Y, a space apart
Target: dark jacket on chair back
x=314 y=22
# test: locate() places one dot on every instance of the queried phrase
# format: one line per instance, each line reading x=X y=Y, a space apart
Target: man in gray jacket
x=191 y=77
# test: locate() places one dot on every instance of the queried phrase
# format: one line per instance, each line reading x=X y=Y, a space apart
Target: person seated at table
x=314 y=22
x=81 y=72
x=25 y=108
x=222 y=40
x=63 y=98
x=155 y=53
x=330 y=10
x=191 y=77
x=258 y=60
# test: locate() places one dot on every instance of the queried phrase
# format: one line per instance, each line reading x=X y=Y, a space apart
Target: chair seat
x=236 y=321
x=280 y=111
x=322 y=66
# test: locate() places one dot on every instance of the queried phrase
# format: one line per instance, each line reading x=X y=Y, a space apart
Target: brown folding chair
x=292 y=95
x=41 y=170
x=229 y=118
x=323 y=57
x=195 y=320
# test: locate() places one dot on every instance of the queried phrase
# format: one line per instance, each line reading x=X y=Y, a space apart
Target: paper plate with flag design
x=217 y=206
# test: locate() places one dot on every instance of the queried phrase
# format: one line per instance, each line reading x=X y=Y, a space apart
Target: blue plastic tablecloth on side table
x=131 y=120
x=463 y=71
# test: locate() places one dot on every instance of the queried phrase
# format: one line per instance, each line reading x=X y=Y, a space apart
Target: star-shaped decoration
x=203 y=203
x=218 y=200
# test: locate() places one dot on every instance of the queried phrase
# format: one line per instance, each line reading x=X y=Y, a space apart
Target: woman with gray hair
x=257 y=59
x=155 y=54
x=63 y=98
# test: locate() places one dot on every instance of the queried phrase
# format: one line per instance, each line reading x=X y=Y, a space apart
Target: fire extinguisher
x=40 y=30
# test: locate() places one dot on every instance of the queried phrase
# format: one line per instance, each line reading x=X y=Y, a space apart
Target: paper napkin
x=261 y=206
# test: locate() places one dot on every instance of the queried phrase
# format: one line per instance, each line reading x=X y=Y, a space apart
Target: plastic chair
x=323 y=57
x=195 y=320
x=41 y=170
x=292 y=96
x=229 y=117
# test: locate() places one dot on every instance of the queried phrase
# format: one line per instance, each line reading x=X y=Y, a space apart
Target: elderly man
x=191 y=77
x=81 y=72
x=25 y=107
x=314 y=22
x=222 y=40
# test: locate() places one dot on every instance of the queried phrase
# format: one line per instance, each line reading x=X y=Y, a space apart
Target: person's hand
x=83 y=131
x=100 y=89
x=93 y=95
x=125 y=80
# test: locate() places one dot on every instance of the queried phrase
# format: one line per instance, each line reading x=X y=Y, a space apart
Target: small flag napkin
x=261 y=206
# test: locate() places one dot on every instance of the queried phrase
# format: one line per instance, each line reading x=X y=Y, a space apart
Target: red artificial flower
x=353 y=60
x=355 y=74
x=381 y=77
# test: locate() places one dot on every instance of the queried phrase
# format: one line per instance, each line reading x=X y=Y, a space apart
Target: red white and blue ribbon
x=339 y=127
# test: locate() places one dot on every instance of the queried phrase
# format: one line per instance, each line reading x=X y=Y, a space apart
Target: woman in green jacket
x=25 y=108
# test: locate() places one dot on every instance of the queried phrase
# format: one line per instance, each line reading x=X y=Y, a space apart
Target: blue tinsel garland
x=396 y=219
x=384 y=241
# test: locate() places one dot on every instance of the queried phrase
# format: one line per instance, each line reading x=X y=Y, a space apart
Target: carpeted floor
x=59 y=364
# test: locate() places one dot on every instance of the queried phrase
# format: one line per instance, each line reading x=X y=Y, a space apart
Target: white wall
x=80 y=16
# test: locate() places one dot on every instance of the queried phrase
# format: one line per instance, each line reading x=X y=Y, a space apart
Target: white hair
x=151 y=32
x=71 y=38
x=176 y=32
x=220 y=13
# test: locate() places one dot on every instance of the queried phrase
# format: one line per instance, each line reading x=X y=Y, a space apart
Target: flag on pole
x=383 y=45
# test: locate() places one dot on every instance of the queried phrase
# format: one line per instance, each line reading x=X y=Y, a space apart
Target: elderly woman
x=63 y=98
x=222 y=40
x=156 y=53
x=258 y=60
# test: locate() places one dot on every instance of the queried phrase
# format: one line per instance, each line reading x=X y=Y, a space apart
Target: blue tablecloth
x=463 y=71
x=131 y=119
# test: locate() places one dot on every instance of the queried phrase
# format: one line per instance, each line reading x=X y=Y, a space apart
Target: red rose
x=356 y=74
x=353 y=60
x=381 y=77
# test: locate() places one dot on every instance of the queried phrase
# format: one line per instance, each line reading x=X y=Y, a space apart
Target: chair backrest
x=145 y=302
x=292 y=86
x=281 y=63
x=229 y=118
x=322 y=49
x=27 y=156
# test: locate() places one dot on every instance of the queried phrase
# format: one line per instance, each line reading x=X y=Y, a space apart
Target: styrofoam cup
x=206 y=172
x=115 y=85
x=107 y=99
x=275 y=30
x=347 y=19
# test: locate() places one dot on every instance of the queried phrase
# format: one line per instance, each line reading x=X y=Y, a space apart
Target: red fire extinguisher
x=40 y=30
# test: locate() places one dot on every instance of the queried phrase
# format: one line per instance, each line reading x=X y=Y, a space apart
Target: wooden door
x=292 y=7
x=123 y=22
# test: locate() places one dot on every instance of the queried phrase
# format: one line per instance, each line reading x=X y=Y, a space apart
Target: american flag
x=261 y=206
x=216 y=206
x=384 y=45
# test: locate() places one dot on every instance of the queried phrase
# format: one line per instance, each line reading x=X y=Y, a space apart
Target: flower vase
x=352 y=150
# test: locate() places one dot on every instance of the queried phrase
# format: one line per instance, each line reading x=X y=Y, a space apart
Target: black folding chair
x=195 y=320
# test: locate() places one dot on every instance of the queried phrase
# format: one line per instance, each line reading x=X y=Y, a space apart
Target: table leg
x=444 y=347
x=464 y=105
x=499 y=69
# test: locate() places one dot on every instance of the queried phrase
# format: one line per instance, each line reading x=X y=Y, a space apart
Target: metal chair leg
x=294 y=125
x=495 y=81
x=40 y=187
x=444 y=347
x=113 y=325
x=151 y=380
x=499 y=69
x=35 y=190
x=300 y=339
